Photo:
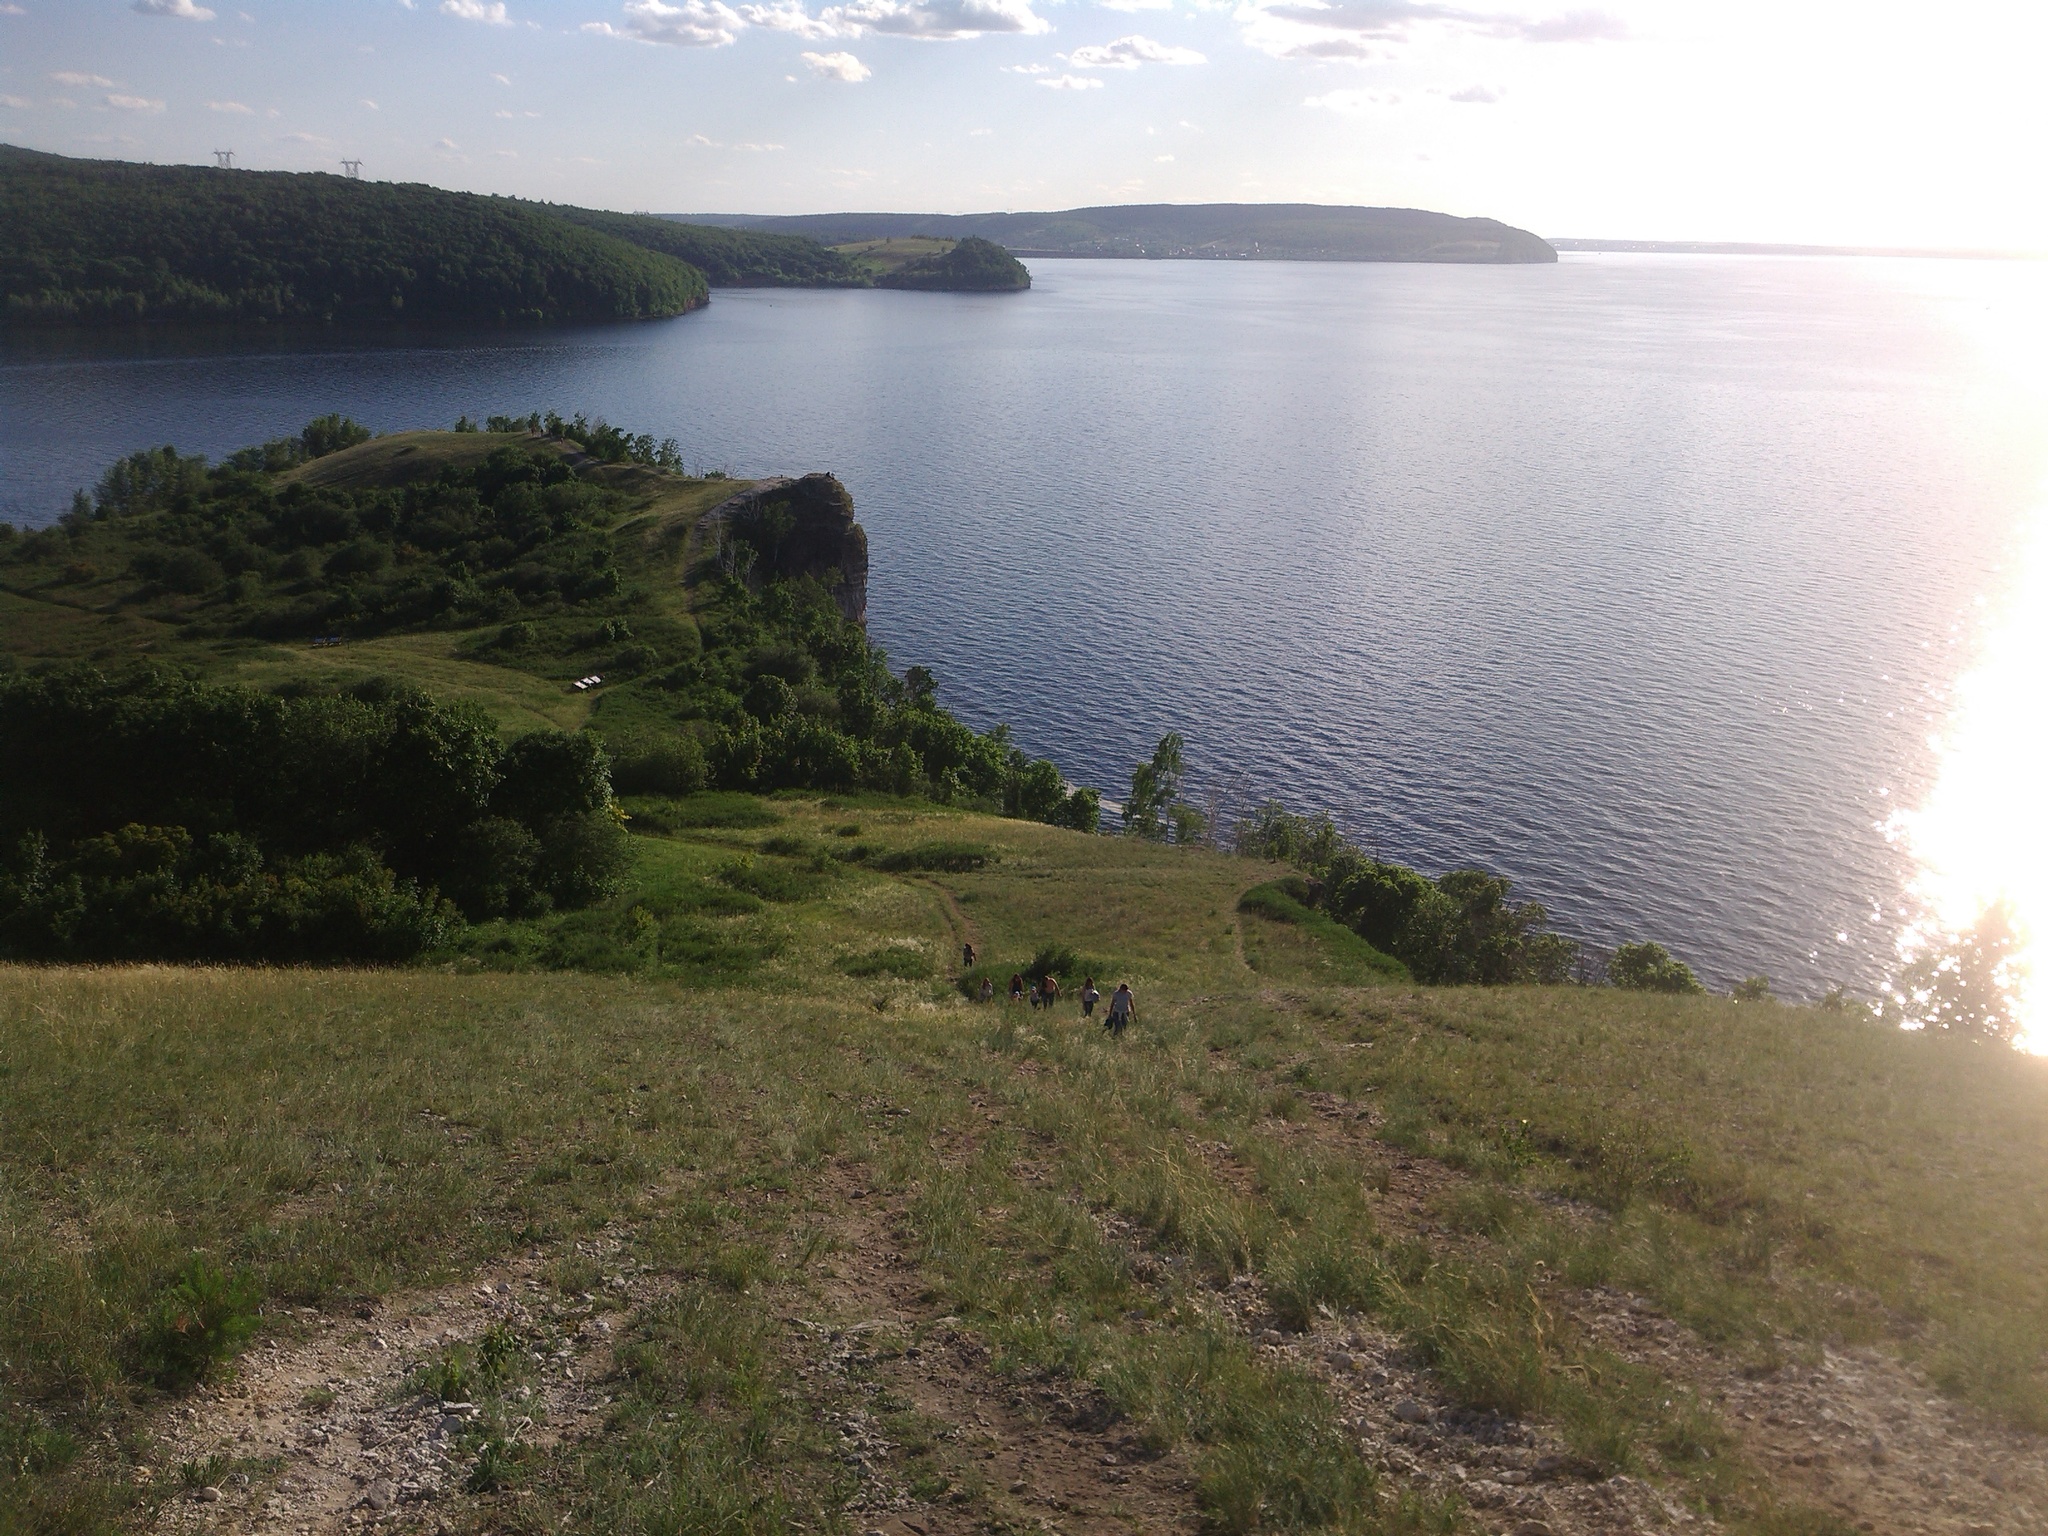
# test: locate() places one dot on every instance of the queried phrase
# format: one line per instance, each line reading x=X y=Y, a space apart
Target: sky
x=1826 y=121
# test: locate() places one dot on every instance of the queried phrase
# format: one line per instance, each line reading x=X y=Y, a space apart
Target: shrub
x=584 y=858
x=1752 y=989
x=199 y=1322
x=1651 y=968
x=897 y=960
x=953 y=858
x=670 y=765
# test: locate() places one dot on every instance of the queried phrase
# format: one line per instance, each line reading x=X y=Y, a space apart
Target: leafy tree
x=1965 y=984
x=1155 y=790
x=1651 y=968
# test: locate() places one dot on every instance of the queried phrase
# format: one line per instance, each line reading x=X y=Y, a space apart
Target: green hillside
x=774 y=1229
x=971 y=265
x=97 y=242
x=730 y=258
x=1229 y=231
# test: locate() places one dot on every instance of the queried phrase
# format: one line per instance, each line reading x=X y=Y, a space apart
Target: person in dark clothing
x=1120 y=1006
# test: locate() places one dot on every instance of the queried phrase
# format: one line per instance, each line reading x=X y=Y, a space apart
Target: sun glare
x=1980 y=842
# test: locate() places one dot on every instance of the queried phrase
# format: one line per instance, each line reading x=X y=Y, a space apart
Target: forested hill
x=731 y=258
x=1239 y=231
x=96 y=241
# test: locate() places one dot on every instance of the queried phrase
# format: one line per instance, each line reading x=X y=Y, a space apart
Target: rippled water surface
x=1640 y=579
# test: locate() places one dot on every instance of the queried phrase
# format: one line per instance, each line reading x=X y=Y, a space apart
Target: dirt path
x=1018 y=1453
x=325 y=1428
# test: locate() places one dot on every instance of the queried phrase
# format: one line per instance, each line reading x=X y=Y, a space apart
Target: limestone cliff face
x=784 y=529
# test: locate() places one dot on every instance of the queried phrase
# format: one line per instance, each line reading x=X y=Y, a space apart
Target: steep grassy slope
x=101 y=241
x=782 y=1232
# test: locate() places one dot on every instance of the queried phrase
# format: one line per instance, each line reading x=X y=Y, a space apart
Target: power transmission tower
x=353 y=169
x=223 y=159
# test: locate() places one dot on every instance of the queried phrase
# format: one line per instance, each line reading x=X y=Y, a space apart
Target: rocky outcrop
x=785 y=529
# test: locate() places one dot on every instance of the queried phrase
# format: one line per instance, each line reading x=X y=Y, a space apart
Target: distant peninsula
x=108 y=242
x=1184 y=231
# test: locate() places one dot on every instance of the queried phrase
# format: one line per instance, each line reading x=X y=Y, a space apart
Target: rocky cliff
x=790 y=528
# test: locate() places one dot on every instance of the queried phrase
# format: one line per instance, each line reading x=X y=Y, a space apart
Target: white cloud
x=1130 y=52
x=506 y=154
x=838 y=66
x=1071 y=83
x=693 y=24
x=1027 y=69
x=134 y=103
x=370 y=104
x=1482 y=95
x=19 y=103
x=1162 y=159
x=502 y=79
x=790 y=16
x=235 y=107
x=73 y=77
x=1137 y=5
x=490 y=11
x=184 y=10
x=12 y=10
x=302 y=137
x=446 y=146
x=714 y=24
x=1368 y=29
x=939 y=21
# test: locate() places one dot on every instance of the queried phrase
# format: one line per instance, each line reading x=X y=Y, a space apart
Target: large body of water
x=1641 y=579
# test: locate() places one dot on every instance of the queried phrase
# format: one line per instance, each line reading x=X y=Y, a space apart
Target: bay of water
x=1640 y=579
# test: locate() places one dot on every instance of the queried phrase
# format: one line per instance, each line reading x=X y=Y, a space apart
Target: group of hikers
x=1045 y=992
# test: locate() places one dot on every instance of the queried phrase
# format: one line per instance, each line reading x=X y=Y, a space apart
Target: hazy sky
x=1835 y=120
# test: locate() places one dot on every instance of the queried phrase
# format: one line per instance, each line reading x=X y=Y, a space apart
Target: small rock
x=1514 y=1477
x=1877 y=1452
x=1532 y=1528
x=1375 y=1378
x=1338 y=1360
x=1271 y=1336
x=1409 y=1411
x=378 y=1342
x=381 y=1494
x=1548 y=1466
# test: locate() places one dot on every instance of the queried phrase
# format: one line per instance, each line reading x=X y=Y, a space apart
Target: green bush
x=1651 y=968
x=953 y=858
x=897 y=960
x=669 y=765
x=198 y=1323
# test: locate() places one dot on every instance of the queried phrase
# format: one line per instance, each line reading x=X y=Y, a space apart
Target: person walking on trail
x=1089 y=998
x=988 y=988
x=1119 y=1009
x=1016 y=988
x=966 y=957
x=1049 y=989
x=1037 y=997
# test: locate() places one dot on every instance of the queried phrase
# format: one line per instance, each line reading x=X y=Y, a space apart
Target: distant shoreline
x=1754 y=248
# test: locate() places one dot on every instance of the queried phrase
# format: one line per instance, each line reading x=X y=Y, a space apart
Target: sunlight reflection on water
x=1981 y=838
